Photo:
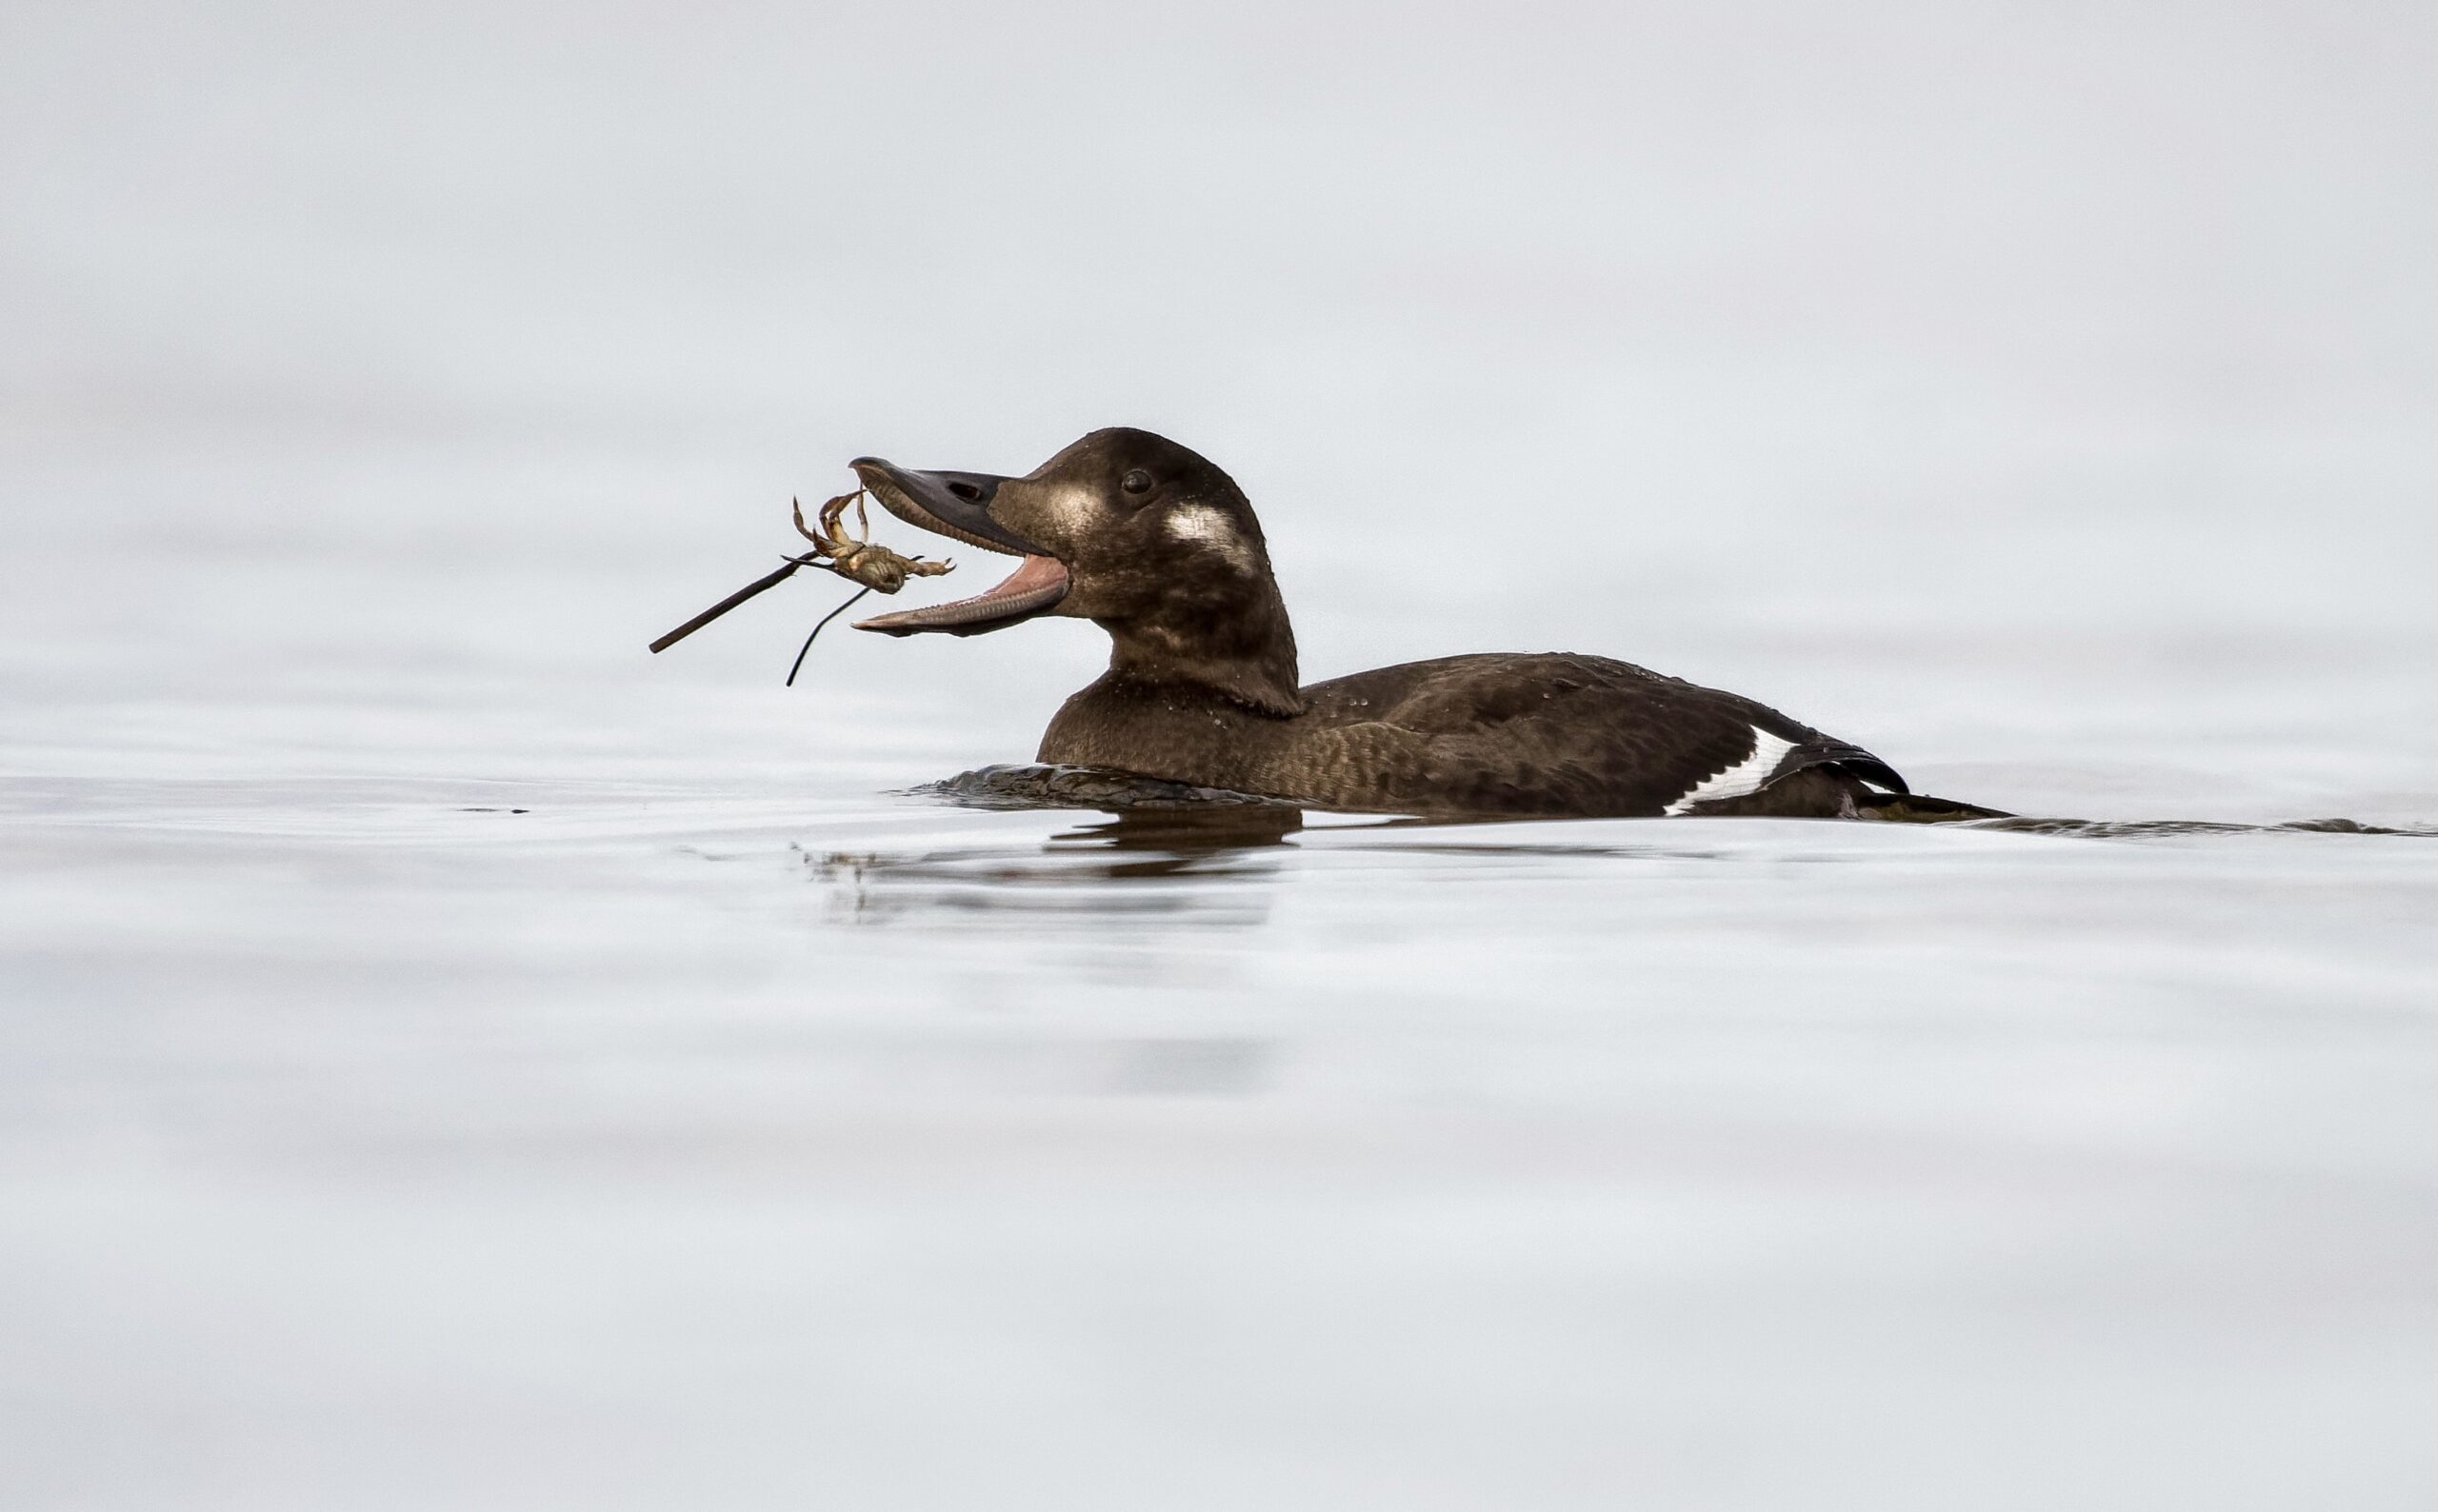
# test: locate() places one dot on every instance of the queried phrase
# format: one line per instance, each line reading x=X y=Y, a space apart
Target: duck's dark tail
x=1920 y=808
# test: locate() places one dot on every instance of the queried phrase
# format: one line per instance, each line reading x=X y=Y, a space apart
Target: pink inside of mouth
x=1037 y=582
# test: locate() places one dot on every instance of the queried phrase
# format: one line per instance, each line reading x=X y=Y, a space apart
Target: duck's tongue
x=1037 y=582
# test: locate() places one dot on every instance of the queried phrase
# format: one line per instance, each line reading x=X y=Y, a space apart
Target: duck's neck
x=1244 y=652
x=1201 y=687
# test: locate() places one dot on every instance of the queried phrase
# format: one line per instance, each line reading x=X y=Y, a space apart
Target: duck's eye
x=1137 y=481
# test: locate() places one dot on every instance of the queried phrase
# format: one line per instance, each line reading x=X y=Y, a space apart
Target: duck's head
x=1124 y=529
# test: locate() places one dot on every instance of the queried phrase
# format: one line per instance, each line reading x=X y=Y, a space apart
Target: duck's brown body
x=1160 y=549
x=1548 y=734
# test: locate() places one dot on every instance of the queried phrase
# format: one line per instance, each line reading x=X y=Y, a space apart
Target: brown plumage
x=1162 y=550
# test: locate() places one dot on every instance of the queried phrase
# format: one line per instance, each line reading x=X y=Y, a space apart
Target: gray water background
x=450 y=1059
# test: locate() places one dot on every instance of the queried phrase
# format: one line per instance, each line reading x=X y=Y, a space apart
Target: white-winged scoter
x=1160 y=549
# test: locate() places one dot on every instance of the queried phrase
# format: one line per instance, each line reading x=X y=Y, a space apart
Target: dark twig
x=817 y=630
x=760 y=586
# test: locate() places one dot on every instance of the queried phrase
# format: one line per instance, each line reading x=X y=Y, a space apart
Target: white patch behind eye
x=1201 y=524
x=1074 y=508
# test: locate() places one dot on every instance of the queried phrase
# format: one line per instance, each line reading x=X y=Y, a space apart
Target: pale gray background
x=2039 y=394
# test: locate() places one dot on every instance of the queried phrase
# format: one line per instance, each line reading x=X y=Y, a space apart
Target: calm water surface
x=599 y=1082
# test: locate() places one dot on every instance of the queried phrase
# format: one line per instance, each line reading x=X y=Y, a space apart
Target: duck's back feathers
x=1557 y=733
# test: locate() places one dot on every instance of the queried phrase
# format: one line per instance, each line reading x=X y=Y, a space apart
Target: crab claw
x=833 y=515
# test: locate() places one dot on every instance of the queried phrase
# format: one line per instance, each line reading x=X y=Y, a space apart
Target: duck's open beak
x=957 y=505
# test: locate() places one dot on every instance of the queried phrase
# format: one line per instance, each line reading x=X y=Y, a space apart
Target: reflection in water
x=1197 y=863
x=1185 y=836
x=1172 y=850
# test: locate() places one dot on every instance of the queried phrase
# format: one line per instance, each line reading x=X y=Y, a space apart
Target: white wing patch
x=1744 y=777
x=1201 y=524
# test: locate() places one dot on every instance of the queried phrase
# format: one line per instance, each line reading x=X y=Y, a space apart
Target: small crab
x=853 y=556
x=877 y=567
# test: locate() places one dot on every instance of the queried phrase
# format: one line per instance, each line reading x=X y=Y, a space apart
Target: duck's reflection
x=1184 y=837
x=1189 y=861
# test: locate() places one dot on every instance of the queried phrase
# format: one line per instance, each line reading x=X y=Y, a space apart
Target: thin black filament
x=817 y=630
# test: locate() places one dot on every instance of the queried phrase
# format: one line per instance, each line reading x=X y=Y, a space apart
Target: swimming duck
x=1160 y=549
